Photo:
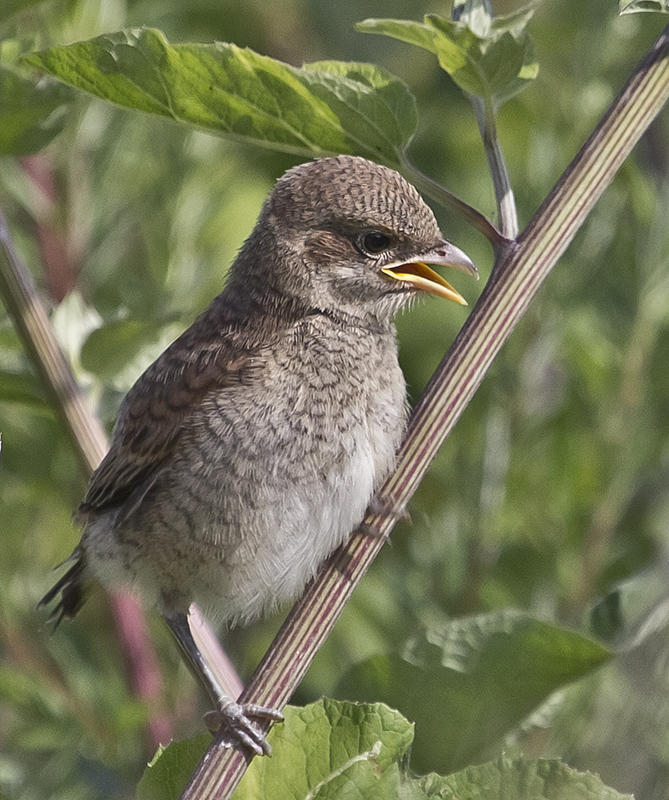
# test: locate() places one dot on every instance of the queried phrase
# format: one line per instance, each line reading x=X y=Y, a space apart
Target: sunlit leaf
x=325 y=748
x=488 y=57
x=334 y=749
x=320 y=109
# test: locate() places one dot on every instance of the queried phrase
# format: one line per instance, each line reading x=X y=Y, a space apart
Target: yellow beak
x=421 y=277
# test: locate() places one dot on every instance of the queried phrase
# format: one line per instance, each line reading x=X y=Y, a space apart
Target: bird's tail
x=71 y=588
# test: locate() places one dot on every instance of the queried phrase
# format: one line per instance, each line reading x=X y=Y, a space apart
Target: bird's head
x=350 y=236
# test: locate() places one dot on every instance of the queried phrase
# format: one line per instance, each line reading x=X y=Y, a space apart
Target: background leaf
x=469 y=682
x=20 y=388
x=30 y=114
x=10 y=7
x=521 y=780
x=488 y=57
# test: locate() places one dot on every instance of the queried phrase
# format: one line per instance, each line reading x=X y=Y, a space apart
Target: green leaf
x=472 y=681
x=328 y=747
x=636 y=6
x=171 y=767
x=488 y=57
x=111 y=348
x=320 y=109
x=332 y=750
x=30 y=114
x=21 y=387
x=322 y=750
x=518 y=779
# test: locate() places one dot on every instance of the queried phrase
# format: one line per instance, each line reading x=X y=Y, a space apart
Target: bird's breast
x=294 y=460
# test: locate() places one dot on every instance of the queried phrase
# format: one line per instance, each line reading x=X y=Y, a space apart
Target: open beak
x=420 y=276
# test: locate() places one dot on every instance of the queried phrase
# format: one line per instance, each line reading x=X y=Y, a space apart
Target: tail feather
x=71 y=588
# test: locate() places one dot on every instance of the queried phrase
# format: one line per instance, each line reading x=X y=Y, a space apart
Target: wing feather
x=153 y=412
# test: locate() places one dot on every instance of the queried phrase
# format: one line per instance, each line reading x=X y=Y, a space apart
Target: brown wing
x=152 y=414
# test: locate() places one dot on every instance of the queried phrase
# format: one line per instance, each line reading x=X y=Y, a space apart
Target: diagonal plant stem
x=89 y=442
x=25 y=307
x=521 y=269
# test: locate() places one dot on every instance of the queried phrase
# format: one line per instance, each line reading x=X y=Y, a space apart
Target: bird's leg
x=233 y=718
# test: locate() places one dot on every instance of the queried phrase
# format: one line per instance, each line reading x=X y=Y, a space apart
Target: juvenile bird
x=253 y=445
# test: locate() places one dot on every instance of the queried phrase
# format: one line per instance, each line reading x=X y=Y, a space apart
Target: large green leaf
x=30 y=114
x=325 y=748
x=468 y=683
x=320 y=109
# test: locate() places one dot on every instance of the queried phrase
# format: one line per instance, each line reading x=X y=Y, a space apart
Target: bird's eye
x=375 y=242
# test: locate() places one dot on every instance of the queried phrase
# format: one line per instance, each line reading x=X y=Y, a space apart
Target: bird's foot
x=236 y=721
x=384 y=507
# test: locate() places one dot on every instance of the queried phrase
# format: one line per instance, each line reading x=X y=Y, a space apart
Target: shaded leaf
x=320 y=109
x=30 y=114
x=472 y=681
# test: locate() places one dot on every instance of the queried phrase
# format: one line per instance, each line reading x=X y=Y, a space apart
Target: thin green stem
x=442 y=196
x=484 y=112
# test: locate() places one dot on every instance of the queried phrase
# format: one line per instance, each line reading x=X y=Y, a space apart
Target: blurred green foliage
x=552 y=494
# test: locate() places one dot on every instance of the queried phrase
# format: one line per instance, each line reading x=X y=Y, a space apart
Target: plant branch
x=442 y=196
x=506 y=203
x=519 y=273
x=89 y=442
x=25 y=307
